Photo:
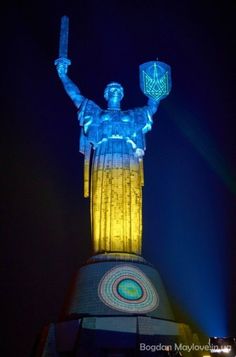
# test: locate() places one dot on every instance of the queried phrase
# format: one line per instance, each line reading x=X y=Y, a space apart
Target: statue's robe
x=116 y=178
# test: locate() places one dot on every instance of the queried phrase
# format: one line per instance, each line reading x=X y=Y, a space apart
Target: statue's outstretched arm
x=71 y=89
x=153 y=106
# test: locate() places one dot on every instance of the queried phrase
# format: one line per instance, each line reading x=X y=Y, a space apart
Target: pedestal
x=118 y=307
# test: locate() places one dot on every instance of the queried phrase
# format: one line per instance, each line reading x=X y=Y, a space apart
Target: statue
x=117 y=138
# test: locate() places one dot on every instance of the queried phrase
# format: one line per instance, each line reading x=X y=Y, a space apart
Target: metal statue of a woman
x=117 y=138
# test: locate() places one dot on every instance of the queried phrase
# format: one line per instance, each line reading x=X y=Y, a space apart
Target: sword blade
x=63 y=44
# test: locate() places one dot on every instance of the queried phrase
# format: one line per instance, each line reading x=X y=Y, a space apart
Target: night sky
x=190 y=186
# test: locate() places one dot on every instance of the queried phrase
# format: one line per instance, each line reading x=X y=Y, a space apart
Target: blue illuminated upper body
x=112 y=122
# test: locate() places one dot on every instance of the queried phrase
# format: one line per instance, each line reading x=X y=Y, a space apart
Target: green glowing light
x=129 y=289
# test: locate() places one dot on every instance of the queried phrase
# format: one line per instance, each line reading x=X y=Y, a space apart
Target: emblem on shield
x=155 y=79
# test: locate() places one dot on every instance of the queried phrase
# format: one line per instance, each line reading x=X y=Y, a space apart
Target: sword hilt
x=62 y=65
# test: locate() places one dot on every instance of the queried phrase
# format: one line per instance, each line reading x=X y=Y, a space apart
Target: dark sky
x=189 y=195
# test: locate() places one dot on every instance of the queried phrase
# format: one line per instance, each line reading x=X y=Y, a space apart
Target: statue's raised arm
x=63 y=62
x=70 y=87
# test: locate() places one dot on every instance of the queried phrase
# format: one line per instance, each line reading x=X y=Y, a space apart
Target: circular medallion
x=126 y=288
x=129 y=289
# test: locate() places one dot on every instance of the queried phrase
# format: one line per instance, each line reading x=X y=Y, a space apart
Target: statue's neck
x=114 y=104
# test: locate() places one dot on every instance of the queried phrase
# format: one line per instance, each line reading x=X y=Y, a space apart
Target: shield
x=155 y=79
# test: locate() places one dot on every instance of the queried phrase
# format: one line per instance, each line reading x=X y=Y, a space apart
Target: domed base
x=118 y=284
x=118 y=307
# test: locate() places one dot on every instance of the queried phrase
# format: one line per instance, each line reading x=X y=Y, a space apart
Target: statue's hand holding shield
x=155 y=80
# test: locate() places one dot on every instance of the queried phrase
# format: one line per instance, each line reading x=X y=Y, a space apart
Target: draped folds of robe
x=116 y=178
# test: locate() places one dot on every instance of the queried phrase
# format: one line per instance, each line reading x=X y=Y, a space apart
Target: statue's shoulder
x=142 y=118
x=88 y=109
x=138 y=112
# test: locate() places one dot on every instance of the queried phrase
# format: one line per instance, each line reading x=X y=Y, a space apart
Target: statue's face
x=114 y=91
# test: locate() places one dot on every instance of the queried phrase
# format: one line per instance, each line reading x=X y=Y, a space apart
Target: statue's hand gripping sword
x=63 y=61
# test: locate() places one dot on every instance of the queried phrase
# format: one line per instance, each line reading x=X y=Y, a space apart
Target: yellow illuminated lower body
x=116 y=199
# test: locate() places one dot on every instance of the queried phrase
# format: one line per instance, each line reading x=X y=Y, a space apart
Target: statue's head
x=114 y=91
